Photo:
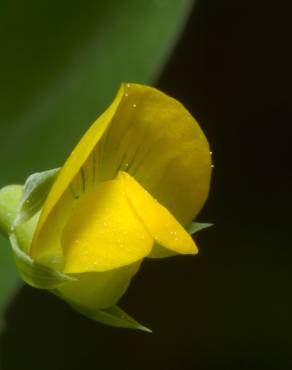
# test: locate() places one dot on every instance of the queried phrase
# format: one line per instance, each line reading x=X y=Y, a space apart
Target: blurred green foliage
x=61 y=62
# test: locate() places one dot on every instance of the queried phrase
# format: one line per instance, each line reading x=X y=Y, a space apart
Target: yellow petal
x=145 y=133
x=104 y=232
x=97 y=290
x=159 y=222
x=71 y=169
x=157 y=141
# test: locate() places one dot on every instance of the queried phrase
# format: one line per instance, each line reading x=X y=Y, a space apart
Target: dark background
x=230 y=307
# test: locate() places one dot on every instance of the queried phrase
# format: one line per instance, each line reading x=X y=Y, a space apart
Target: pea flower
x=128 y=190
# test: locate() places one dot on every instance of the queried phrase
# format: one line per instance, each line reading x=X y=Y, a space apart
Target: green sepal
x=112 y=316
x=10 y=196
x=20 y=237
x=35 y=274
x=115 y=316
x=194 y=227
x=35 y=191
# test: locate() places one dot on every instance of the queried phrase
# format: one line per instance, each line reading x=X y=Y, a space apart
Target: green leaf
x=57 y=75
x=113 y=316
x=9 y=280
x=194 y=227
x=35 y=191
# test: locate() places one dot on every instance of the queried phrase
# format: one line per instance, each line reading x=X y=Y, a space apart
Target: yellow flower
x=131 y=186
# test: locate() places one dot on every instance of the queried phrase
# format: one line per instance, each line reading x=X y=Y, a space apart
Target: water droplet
x=134 y=105
x=212 y=165
x=128 y=85
x=126 y=94
x=211 y=153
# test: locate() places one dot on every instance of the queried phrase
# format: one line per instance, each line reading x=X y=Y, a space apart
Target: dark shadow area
x=229 y=307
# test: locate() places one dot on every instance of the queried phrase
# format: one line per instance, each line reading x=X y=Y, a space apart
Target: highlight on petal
x=104 y=232
x=159 y=222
